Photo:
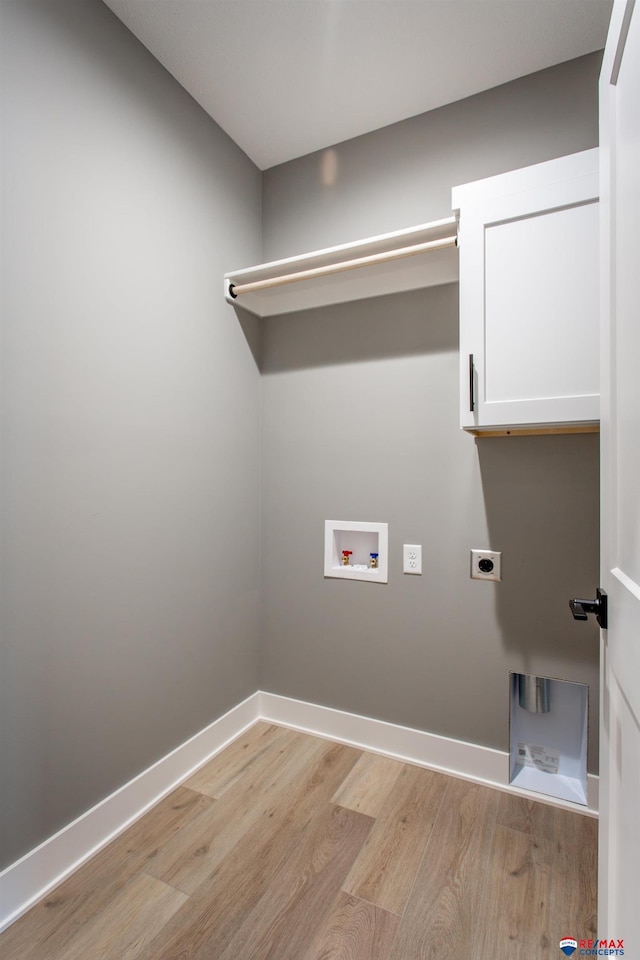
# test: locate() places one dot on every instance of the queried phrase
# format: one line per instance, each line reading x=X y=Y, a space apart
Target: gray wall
x=131 y=416
x=402 y=175
x=360 y=422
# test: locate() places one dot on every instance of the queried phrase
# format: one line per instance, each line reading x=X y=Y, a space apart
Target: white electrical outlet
x=486 y=565
x=411 y=558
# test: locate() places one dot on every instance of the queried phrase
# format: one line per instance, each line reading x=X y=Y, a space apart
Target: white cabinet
x=529 y=327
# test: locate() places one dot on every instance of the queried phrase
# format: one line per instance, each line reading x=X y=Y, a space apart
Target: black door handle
x=582 y=608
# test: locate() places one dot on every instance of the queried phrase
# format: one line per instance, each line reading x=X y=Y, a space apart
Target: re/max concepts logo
x=592 y=948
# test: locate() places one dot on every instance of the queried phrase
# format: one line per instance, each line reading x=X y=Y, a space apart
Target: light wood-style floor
x=289 y=847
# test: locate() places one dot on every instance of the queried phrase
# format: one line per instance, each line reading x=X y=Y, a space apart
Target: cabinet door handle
x=472 y=398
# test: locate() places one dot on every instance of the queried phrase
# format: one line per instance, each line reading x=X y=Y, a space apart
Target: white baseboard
x=456 y=758
x=29 y=879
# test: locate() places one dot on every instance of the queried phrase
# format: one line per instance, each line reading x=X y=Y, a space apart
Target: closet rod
x=236 y=290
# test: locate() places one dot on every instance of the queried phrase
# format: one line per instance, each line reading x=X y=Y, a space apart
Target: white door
x=619 y=904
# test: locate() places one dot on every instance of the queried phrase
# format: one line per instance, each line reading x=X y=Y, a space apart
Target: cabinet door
x=529 y=297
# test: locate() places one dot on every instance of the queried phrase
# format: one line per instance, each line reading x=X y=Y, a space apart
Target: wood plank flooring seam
x=491 y=825
x=166 y=883
x=424 y=852
x=192 y=858
x=371 y=903
x=355 y=929
x=419 y=867
x=443 y=912
x=303 y=890
x=213 y=916
x=388 y=863
x=38 y=933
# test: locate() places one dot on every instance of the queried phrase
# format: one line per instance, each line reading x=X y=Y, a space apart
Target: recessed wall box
x=549 y=736
x=357 y=540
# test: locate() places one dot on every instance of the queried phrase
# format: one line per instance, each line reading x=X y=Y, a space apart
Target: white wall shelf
x=360 y=539
x=400 y=262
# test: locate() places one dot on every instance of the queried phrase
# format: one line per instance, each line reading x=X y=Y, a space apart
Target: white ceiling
x=286 y=77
